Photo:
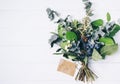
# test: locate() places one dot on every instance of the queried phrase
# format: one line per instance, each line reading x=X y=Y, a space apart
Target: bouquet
x=81 y=41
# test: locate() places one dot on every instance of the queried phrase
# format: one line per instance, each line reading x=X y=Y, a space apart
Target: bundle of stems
x=85 y=74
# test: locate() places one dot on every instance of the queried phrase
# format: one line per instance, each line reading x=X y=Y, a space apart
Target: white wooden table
x=25 y=55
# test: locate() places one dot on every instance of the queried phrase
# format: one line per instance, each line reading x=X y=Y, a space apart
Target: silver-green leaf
x=108 y=17
x=96 y=56
x=72 y=57
x=109 y=49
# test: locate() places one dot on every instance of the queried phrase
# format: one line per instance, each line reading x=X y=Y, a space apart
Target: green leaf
x=108 y=17
x=84 y=0
x=61 y=31
x=72 y=57
x=57 y=53
x=53 y=33
x=86 y=60
x=96 y=56
x=114 y=31
x=74 y=23
x=107 y=41
x=109 y=49
x=64 y=45
x=71 y=36
x=97 y=23
x=58 y=50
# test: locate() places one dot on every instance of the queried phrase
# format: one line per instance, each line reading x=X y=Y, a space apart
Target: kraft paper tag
x=67 y=67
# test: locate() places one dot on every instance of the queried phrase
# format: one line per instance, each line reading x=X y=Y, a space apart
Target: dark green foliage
x=97 y=23
x=81 y=40
x=109 y=26
x=116 y=28
x=107 y=40
x=82 y=46
x=58 y=50
x=71 y=36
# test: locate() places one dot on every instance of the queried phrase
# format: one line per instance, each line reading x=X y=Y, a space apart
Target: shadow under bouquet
x=81 y=41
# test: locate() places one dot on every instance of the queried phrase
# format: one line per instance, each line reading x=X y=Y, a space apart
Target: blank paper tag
x=67 y=67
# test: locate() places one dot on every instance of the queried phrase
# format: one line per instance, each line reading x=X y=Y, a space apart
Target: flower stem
x=85 y=74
